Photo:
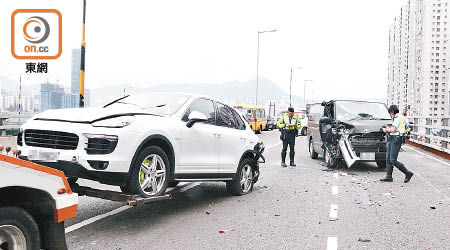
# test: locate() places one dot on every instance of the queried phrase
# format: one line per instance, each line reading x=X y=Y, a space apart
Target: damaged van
x=348 y=131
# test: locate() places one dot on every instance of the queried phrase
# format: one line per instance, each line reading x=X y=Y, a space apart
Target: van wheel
x=381 y=164
x=258 y=131
x=242 y=182
x=150 y=173
x=312 y=153
x=18 y=229
x=330 y=160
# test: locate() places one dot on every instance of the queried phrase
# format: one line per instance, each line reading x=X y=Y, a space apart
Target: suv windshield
x=353 y=110
x=156 y=103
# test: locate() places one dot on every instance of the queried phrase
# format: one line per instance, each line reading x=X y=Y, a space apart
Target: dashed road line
x=333 y=211
x=332 y=243
x=335 y=190
x=95 y=218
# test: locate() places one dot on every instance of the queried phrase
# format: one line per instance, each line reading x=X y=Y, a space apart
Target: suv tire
x=145 y=173
x=312 y=153
x=16 y=224
x=242 y=182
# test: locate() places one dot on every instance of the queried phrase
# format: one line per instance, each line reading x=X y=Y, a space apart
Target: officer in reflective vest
x=396 y=133
x=289 y=124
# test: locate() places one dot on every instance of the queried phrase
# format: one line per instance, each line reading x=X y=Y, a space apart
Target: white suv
x=144 y=143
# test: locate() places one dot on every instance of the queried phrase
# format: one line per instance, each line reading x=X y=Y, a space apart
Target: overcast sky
x=341 y=44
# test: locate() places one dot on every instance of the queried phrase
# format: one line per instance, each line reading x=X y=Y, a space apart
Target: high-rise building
x=418 y=56
x=51 y=96
x=75 y=80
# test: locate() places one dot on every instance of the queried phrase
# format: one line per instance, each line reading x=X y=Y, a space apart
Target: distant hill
x=231 y=92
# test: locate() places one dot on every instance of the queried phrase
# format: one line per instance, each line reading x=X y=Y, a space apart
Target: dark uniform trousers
x=289 y=139
x=393 y=148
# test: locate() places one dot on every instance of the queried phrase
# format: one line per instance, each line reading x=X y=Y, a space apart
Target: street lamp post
x=257 y=63
x=290 y=87
x=304 y=91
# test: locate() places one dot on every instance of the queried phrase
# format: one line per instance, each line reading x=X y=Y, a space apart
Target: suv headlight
x=115 y=122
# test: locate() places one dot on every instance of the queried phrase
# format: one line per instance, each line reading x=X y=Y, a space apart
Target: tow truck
x=35 y=201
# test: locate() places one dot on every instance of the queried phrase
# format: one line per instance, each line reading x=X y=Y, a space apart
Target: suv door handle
x=217 y=135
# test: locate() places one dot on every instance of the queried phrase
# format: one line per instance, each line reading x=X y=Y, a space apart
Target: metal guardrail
x=432 y=134
x=13 y=120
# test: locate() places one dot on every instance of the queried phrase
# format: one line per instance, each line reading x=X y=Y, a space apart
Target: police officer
x=289 y=124
x=395 y=139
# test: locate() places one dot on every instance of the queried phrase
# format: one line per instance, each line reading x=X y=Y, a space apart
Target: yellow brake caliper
x=142 y=173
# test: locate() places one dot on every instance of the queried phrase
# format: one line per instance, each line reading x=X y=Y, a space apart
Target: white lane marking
x=332 y=243
x=95 y=218
x=334 y=190
x=270 y=147
x=335 y=175
x=429 y=156
x=102 y=216
x=333 y=211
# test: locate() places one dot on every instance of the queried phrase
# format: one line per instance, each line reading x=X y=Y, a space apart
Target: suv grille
x=51 y=139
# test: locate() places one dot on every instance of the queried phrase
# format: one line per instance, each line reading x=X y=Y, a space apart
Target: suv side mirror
x=194 y=117
x=326 y=120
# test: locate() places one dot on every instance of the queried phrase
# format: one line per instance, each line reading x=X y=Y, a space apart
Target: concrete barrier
x=10 y=141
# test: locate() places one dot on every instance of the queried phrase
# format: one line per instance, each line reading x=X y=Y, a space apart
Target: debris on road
x=433 y=207
x=226 y=230
x=363 y=240
x=208 y=212
x=277 y=215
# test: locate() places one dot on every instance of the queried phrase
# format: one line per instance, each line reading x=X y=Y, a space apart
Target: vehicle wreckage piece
x=347 y=151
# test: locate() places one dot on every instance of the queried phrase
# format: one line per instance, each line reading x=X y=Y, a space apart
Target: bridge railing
x=432 y=132
x=11 y=121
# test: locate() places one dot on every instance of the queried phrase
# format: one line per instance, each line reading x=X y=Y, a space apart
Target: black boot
x=291 y=157
x=408 y=176
x=283 y=159
x=388 y=177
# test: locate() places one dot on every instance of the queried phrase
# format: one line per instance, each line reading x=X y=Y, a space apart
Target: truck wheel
x=150 y=173
x=18 y=229
x=381 y=164
x=243 y=180
x=312 y=153
x=330 y=160
x=258 y=131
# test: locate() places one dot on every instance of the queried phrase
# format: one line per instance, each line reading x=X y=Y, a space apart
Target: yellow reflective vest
x=295 y=122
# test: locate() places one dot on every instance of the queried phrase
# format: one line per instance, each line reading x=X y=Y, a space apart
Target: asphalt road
x=306 y=207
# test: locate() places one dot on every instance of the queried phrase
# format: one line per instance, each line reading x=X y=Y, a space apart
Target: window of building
x=437 y=60
x=438 y=23
x=437 y=54
x=438 y=17
x=438 y=29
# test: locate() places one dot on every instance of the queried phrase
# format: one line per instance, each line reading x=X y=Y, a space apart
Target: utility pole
x=83 y=48
x=257 y=63
x=290 y=87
